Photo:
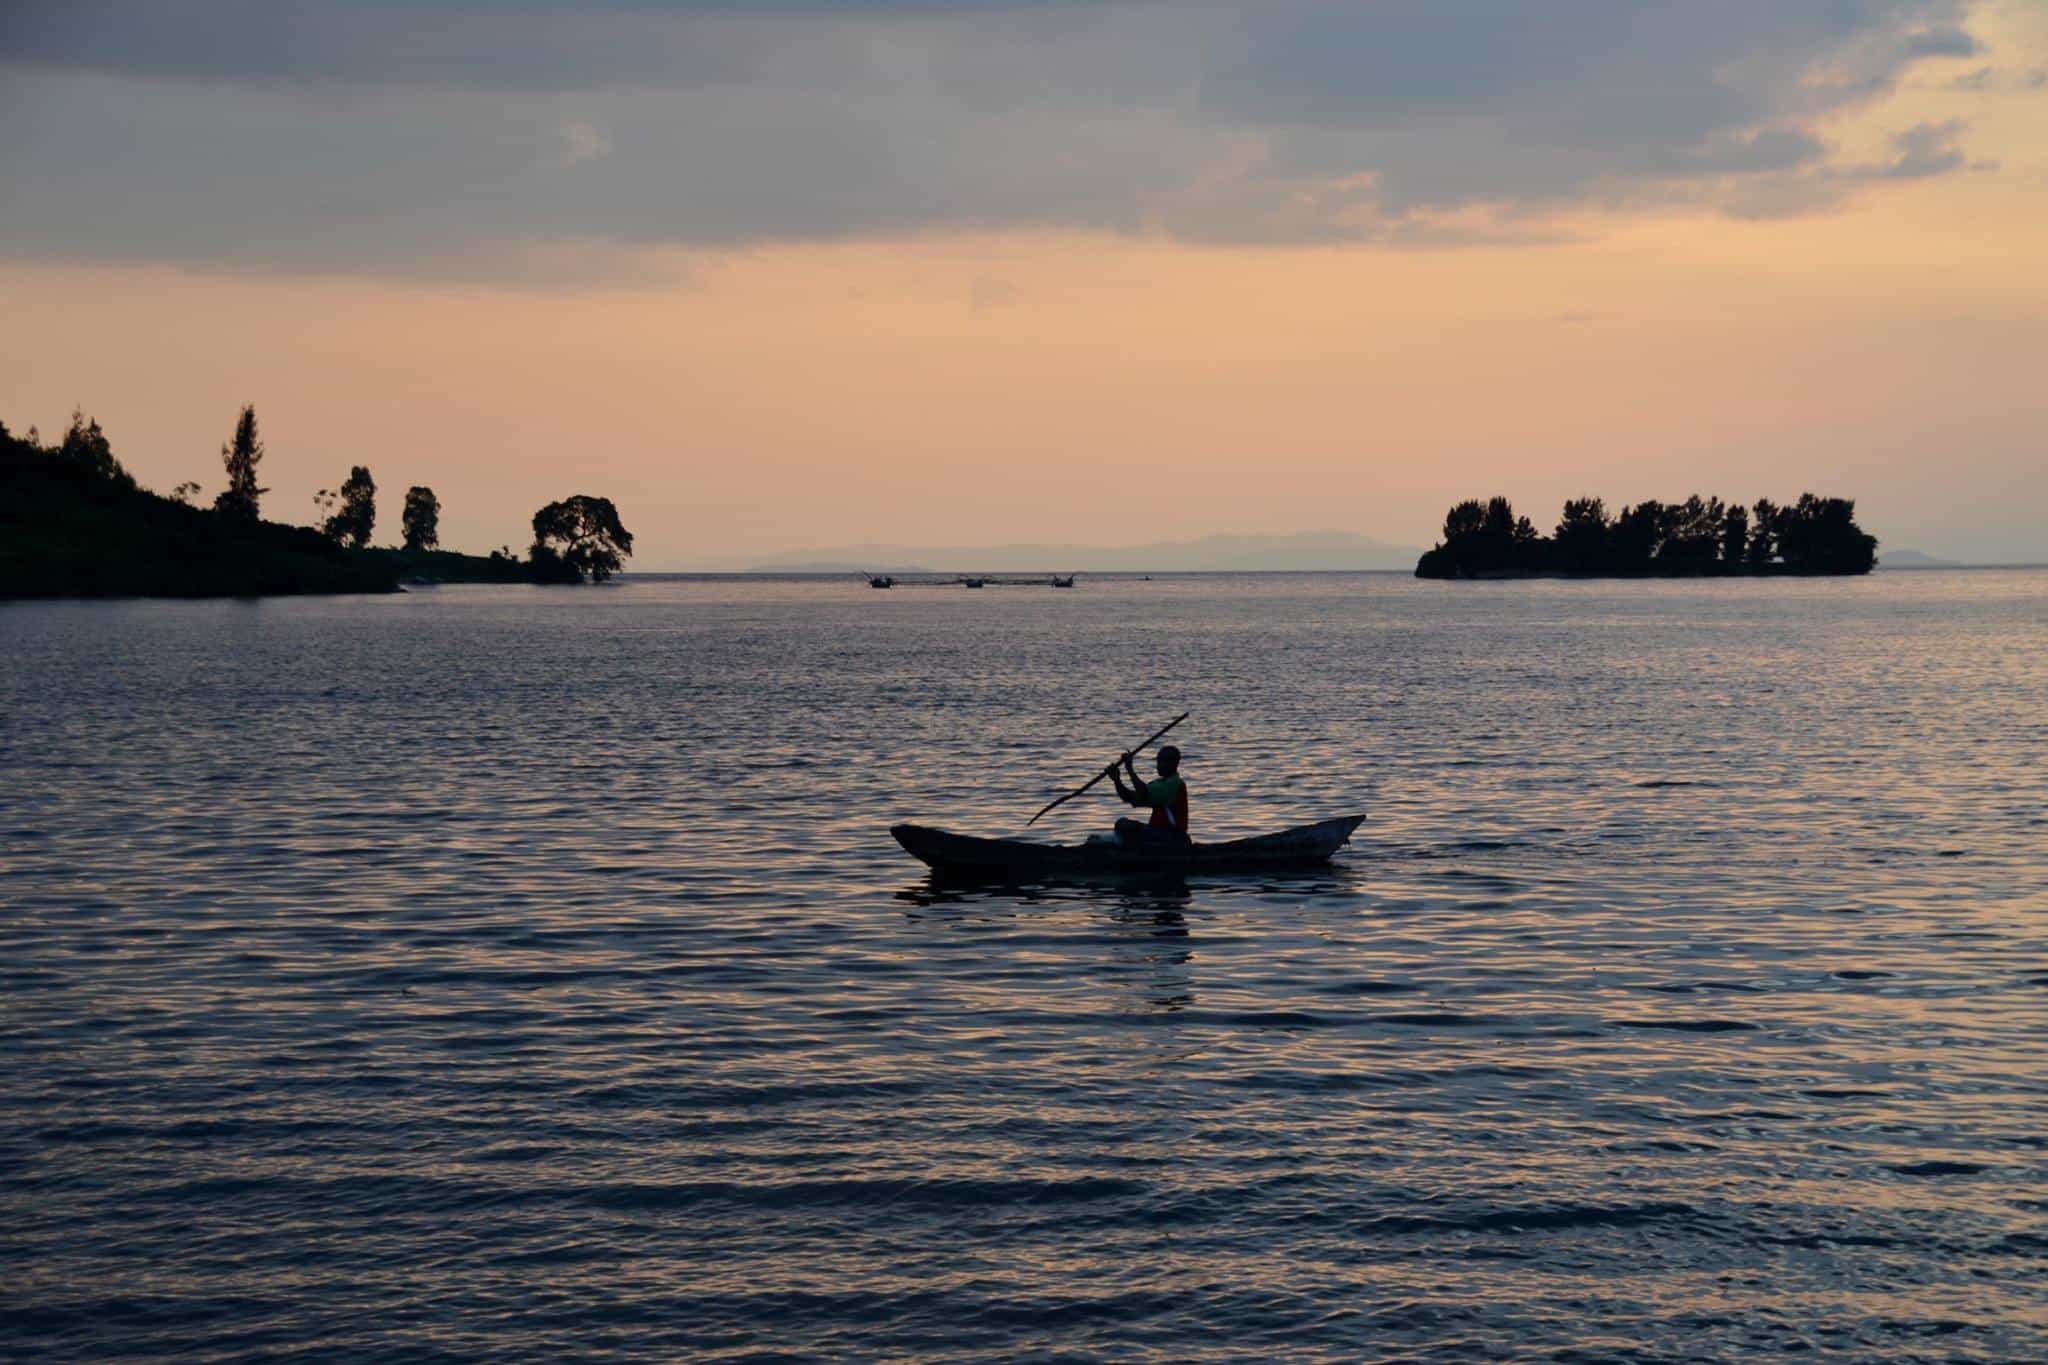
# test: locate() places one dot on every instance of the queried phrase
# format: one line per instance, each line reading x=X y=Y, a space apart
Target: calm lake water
x=483 y=974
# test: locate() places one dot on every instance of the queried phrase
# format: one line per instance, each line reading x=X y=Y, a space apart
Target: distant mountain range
x=1309 y=550
x=1912 y=559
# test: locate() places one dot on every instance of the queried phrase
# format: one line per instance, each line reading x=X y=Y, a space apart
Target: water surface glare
x=488 y=974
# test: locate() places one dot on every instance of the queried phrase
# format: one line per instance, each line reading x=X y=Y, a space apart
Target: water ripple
x=492 y=974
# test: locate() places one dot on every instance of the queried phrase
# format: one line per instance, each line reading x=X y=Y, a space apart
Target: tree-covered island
x=1695 y=538
x=75 y=523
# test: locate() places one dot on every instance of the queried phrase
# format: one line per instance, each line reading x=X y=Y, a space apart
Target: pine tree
x=238 y=501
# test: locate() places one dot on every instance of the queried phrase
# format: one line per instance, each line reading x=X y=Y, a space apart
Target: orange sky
x=1050 y=384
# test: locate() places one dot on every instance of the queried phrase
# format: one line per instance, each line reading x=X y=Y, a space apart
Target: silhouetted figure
x=1166 y=796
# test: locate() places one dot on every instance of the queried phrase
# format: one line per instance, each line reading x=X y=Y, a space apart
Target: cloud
x=1992 y=78
x=1924 y=150
x=1920 y=152
x=390 y=137
x=581 y=140
x=1948 y=40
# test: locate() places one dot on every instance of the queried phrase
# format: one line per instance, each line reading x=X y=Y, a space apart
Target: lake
x=496 y=973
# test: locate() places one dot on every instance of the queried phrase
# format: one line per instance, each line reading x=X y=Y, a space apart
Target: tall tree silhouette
x=1582 y=534
x=1763 y=532
x=579 y=537
x=1639 y=534
x=421 y=519
x=85 y=450
x=238 y=501
x=1466 y=518
x=1692 y=535
x=1820 y=535
x=355 y=509
x=1734 y=534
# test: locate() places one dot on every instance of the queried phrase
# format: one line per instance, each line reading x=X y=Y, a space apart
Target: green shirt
x=1160 y=791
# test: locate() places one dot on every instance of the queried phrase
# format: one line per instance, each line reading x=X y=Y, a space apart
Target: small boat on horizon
x=1066 y=582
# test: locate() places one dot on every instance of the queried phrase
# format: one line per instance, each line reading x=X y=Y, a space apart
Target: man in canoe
x=1166 y=795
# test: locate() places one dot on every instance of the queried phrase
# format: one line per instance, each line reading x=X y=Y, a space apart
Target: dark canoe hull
x=967 y=855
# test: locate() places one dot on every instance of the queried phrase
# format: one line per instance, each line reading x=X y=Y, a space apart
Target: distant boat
x=974 y=582
x=879 y=580
x=964 y=854
x=1066 y=582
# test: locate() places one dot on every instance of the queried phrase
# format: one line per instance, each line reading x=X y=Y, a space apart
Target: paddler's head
x=1169 y=761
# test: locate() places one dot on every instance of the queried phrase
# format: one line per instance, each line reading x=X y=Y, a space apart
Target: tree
x=1820 y=535
x=1816 y=535
x=352 y=510
x=421 y=519
x=1763 y=534
x=1484 y=538
x=238 y=501
x=579 y=537
x=1734 y=534
x=85 y=450
x=1462 y=520
x=1500 y=518
x=185 y=492
x=1582 y=535
x=1691 y=534
x=1638 y=535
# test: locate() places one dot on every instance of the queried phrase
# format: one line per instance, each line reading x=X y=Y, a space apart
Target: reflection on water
x=497 y=973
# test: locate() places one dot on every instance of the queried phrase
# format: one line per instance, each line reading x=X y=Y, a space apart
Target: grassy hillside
x=73 y=523
x=76 y=525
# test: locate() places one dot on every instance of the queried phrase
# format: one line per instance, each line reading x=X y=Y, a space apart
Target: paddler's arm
x=1127 y=796
x=1138 y=795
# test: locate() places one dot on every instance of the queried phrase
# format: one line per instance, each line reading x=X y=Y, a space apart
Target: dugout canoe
x=1304 y=845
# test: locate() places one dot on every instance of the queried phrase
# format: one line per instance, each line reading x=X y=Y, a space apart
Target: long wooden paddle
x=1129 y=753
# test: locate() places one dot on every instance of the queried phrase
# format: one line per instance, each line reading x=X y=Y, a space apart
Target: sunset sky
x=800 y=273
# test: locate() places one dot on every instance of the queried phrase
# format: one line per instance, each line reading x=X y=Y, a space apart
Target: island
x=1699 y=537
x=75 y=523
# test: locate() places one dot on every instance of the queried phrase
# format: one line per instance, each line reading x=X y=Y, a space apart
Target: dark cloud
x=1919 y=153
x=505 y=45
x=425 y=138
x=1924 y=150
x=1946 y=41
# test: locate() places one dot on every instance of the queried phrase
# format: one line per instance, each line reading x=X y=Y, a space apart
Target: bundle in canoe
x=1304 y=845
